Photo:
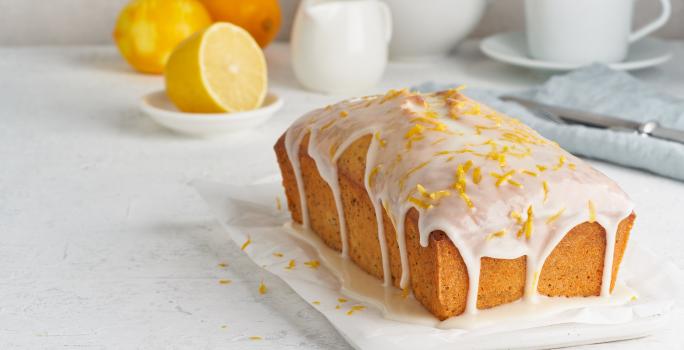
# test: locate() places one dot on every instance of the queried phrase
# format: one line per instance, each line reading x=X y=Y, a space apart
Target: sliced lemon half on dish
x=219 y=69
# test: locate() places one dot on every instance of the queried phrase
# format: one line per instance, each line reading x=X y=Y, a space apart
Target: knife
x=649 y=128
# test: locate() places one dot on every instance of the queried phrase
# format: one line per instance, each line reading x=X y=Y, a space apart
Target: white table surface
x=104 y=245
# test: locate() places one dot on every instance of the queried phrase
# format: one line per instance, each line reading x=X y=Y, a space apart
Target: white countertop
x=104 y=245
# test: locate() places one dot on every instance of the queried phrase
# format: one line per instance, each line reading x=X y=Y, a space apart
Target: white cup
x=340 y=46
x=584 y=31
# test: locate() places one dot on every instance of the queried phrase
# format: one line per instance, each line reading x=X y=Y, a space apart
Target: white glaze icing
x=395 y=305
x=425 y=153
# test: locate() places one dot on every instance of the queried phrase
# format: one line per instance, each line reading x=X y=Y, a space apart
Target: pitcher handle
x=387 y=14
x=657 y=23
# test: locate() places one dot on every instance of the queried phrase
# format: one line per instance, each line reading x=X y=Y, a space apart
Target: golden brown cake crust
x=319 y=200
x=439 y=278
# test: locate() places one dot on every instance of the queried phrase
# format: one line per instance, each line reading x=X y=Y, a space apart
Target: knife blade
x=650 y=128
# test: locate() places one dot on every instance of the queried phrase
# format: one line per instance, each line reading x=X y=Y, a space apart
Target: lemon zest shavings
x=555 y=216
x=527 y=227
x=460 y=185
x=467 y=165
x=501 y=178
x=477 y=175
x=515 y=183
x=497 y=234
x=434 y=196
x=314 y=264
x=517 y=216
x=405 y=292
x=561 y=162
x=328 y=124
x=373 y=174
x=392 y=93
x=354 y=309
x=545 y=186
x=466 y=199
x=422 y=190
x=246 y=244
x=420 y=203
x=416 y=129
x=437 y=195
x=291 y=265
x=426 y=120
x=380 y=140
x=403 y=179
x=479 y=128
x=592 y=212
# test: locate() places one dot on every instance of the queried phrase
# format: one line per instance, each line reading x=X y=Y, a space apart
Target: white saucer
x=158 y=106
x=512 y=48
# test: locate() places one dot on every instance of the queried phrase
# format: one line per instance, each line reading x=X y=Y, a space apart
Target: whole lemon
x=261 y=18
x=148 y=30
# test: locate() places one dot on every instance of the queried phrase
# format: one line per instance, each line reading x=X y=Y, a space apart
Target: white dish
x=512 y=48
x=429 y=30
x=158 y=106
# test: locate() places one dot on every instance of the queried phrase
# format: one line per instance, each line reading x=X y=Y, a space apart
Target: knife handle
x=653 y=129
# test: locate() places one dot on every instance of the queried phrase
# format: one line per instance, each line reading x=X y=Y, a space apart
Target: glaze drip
x=493 y=185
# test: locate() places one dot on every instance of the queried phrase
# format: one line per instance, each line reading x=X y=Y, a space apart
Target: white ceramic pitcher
x=340 y=46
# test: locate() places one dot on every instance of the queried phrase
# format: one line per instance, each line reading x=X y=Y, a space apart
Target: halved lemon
x=219 y=69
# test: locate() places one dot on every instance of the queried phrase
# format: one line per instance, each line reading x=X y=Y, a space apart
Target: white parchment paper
x=252 y=212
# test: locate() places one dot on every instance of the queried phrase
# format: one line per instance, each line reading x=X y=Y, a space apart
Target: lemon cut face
x=220 y=69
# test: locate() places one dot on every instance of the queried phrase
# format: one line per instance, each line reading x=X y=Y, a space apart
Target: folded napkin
x=600 y=89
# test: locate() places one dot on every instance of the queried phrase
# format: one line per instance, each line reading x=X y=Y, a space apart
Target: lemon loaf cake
x=446 y=198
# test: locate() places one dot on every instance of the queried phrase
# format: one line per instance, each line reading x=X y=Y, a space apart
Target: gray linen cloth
x=600 y=89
